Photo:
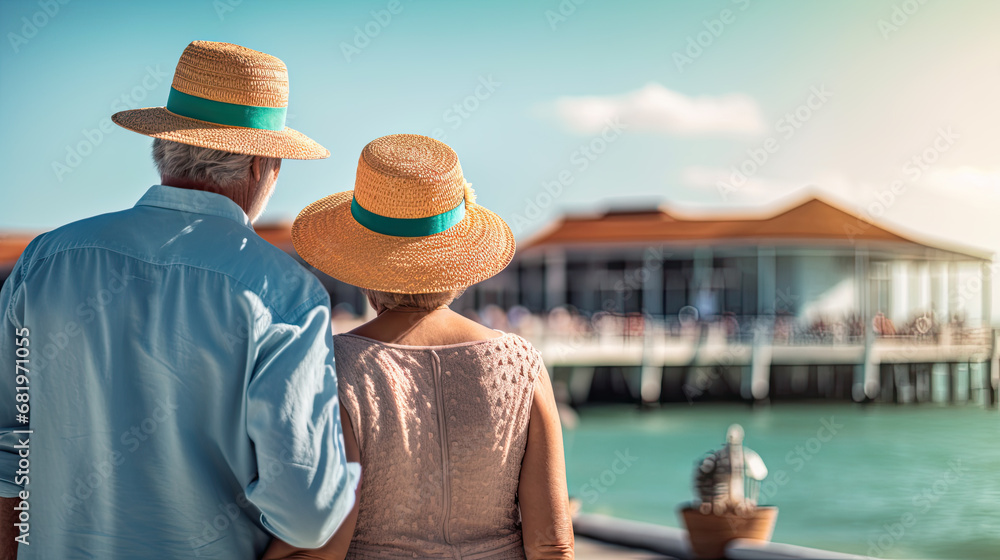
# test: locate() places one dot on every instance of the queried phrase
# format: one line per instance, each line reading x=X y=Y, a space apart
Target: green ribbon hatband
x=229 y=114
x=407 y=227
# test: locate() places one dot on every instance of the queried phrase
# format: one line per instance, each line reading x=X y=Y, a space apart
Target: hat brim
x=160 y=123
x=328 y=237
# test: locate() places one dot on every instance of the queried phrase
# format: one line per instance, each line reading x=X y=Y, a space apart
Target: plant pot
x=709 y=533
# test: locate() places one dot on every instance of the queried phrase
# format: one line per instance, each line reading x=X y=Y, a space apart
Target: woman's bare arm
x=336 y=547
x=545 y=519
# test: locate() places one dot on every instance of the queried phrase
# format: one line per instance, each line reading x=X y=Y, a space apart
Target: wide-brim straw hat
x=226 y=97
x=411 y=224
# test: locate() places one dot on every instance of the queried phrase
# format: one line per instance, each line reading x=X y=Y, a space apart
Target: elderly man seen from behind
x=183 y=401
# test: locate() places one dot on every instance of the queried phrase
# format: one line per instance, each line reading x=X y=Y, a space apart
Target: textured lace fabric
x=442 y=431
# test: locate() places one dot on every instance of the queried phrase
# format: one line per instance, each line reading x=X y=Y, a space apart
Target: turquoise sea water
x=903 y=481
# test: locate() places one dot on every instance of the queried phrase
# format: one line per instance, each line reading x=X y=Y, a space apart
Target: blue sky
x=895 y=82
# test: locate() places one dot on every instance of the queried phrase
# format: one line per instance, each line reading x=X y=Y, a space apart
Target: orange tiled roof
x=12 y=245
x=812 y=219
x=278 y=234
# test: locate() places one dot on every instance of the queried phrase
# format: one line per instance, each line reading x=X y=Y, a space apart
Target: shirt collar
x=198 y=202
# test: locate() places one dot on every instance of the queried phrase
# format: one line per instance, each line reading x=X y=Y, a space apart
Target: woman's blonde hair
x=384 y=301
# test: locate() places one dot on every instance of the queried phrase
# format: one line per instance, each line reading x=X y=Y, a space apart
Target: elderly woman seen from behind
x=455 y=424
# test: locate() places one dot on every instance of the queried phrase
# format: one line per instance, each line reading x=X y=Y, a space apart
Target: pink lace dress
x=442 y=431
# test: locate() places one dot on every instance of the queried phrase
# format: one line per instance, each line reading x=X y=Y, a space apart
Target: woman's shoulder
x=497 y=341
x=450 y=333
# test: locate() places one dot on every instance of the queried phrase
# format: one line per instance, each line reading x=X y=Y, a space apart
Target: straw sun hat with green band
x=411 y=225
x=226 y=97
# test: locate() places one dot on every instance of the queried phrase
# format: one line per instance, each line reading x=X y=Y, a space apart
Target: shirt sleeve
x=13 y=335
x=305 y=487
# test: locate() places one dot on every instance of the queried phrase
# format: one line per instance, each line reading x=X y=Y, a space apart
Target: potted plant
x=727 y=485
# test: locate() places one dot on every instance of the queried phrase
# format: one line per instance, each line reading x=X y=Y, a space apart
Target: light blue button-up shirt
x=181 y=394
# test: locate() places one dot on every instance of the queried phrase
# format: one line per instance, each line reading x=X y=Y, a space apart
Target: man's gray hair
x=203 y=165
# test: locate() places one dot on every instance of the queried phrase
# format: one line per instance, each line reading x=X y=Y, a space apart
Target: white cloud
x=658 y=109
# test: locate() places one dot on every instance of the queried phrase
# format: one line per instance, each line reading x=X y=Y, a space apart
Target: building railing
x=633 y=329
x=608 y=328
